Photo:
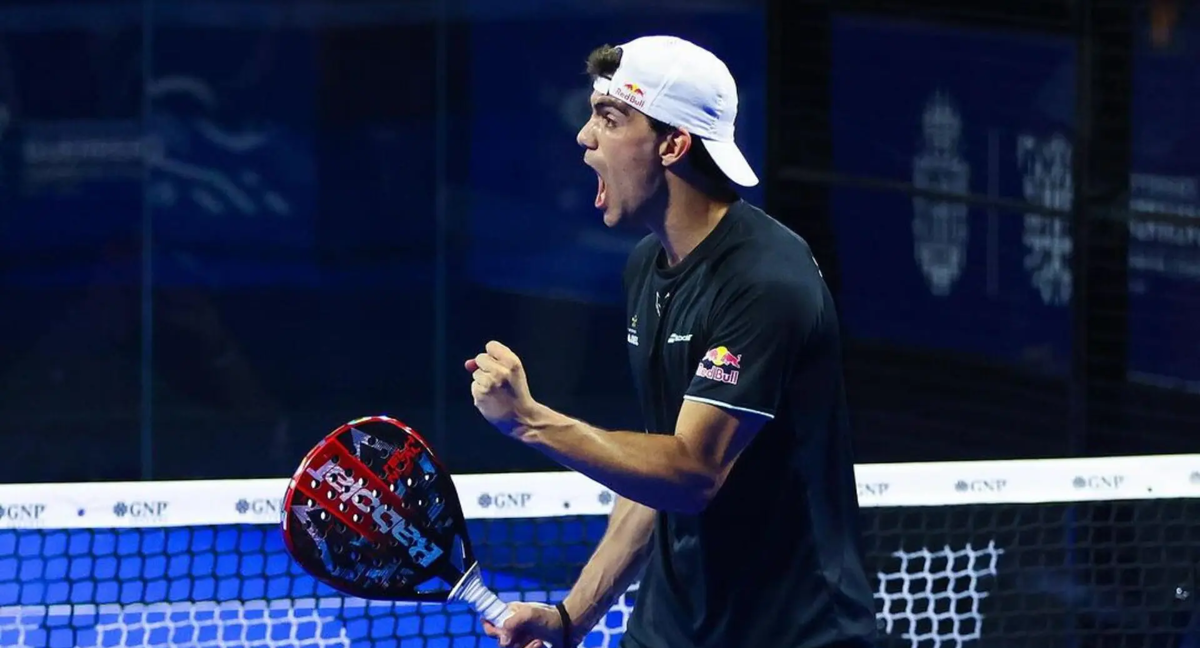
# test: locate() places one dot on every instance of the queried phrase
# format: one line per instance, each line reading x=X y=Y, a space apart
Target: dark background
x=227 y=227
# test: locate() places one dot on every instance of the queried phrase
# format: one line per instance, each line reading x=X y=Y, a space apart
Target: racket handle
x=485 y=602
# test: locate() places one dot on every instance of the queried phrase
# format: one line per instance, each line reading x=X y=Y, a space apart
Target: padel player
x=741 y=502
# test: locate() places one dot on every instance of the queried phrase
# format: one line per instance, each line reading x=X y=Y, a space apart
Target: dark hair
x=603 y=62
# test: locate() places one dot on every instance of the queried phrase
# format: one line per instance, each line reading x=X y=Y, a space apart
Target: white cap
x=685 y=86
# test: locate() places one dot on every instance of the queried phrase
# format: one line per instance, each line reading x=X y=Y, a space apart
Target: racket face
x=372 y=513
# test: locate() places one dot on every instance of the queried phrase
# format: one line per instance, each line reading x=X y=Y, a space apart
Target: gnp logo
x=260 y=506
x=1098 y=482
x=505 y=500
x=22 y=512
x=720 y=365
x=140 y=510
x=877 y=489
x=632 y=93
x=980 y=485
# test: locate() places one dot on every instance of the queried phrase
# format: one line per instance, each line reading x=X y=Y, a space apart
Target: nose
x=586 y=136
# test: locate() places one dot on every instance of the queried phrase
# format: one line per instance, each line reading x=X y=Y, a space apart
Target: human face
x=623 y=149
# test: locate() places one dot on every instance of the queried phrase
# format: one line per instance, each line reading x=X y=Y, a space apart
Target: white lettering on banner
x=1099 y=482
x=981 y=485
x=1163 y=248
x=1045 y=166
x=940 y=227
x=389 y=522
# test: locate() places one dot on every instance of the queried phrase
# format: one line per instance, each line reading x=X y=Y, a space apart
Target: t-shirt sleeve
x=756 y=339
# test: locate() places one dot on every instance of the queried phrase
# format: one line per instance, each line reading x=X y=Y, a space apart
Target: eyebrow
x=605 y=102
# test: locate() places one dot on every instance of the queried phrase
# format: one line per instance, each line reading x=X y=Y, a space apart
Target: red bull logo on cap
x=721 y=365
x=632 y=93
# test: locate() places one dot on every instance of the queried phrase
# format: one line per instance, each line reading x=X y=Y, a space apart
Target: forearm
x=656 y=470
x=617 y=561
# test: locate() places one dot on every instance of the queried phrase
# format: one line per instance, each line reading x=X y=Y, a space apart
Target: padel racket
x=373 y=514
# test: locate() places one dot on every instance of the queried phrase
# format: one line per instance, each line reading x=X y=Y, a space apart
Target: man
x=740 y=504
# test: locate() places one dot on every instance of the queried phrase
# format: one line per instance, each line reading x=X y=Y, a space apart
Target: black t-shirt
x=746 y=322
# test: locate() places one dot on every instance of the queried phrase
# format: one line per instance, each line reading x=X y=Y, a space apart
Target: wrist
x=567 y=625
x=532 y=421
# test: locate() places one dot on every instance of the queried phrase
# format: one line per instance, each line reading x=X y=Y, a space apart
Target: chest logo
x=675 y=337
x=721 y=365
x=631 y=335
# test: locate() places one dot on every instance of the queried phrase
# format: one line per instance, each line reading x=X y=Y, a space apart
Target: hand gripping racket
x=373 y=514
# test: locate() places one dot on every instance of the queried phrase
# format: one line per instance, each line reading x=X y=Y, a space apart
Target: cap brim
x=732 y=163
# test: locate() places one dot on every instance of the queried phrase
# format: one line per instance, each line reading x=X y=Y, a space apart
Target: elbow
x=699 y=492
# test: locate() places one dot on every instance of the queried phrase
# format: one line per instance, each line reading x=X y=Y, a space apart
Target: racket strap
x=566 y=624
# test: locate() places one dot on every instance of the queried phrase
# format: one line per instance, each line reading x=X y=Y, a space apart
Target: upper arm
x=714 y=438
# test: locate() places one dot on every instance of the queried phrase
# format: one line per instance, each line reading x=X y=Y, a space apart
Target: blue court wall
x=235 y=226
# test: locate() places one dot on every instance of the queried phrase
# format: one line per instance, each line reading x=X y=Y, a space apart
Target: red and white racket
x=372 y=513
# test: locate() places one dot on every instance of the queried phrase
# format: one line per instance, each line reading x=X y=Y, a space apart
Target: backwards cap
x=685 y=86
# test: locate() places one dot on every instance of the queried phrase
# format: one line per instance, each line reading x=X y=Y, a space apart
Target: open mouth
x=601 y=190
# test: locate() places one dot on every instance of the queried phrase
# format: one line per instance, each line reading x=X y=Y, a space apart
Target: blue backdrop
x=990 y=113
x=961 y=111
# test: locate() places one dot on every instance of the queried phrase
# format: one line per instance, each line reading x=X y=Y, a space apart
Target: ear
x=674 y=146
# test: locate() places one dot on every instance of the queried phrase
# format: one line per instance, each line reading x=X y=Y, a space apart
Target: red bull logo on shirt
x=632 y=93
x=720 y=365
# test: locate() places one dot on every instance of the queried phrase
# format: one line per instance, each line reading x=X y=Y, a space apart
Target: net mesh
x=1100 y=552
x=936 y=588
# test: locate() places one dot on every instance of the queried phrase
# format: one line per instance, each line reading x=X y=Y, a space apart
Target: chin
x=612 y=218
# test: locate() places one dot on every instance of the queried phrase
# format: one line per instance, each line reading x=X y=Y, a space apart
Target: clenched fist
x=499 y=387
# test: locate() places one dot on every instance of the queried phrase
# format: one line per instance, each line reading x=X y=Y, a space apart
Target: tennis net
x=1101 y=552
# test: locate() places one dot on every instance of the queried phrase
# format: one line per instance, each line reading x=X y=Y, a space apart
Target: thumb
x=471 y=365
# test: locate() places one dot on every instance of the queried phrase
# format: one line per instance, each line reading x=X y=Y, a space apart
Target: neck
x=690 y=216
